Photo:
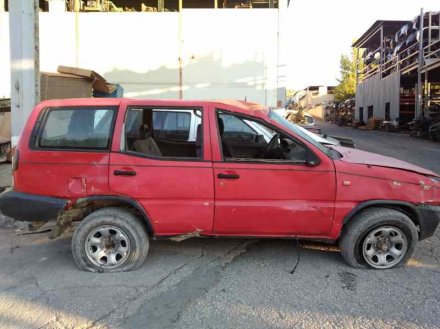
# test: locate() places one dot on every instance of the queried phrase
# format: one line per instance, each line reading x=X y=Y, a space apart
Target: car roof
x=239 y=106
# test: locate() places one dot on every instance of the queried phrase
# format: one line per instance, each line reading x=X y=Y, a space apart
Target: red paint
x=362 y=157
x=185 y=196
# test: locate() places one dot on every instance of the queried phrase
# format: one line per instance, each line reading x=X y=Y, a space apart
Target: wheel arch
x=402 y=206
x=93 y=203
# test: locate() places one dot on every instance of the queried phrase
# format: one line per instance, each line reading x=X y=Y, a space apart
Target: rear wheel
x=110 y=240
x=378 y=238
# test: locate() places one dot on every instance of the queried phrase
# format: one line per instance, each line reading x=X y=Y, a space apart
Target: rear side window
x=77 y=128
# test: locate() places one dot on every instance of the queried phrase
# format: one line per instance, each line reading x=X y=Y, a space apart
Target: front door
x=163 y=162
x=270 y=191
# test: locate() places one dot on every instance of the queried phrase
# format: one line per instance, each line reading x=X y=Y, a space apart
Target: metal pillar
x=75 y=5
x=180 y=51
x=281 y=67
x=419 y=70
x=160 y=5
x=25 y=62
x=356 y=59
x=382 y=55
x=427 y=91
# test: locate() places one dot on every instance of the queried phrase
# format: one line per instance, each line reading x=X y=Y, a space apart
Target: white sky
x=320 y=31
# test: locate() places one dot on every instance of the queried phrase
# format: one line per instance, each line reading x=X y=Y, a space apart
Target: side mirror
x=312 y=160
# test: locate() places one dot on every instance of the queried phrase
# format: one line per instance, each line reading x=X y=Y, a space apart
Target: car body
x=127 y=174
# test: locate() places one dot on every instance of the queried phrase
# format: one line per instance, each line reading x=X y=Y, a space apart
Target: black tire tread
x=122 y=218
x=364 y=222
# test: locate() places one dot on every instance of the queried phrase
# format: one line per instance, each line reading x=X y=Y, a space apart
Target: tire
x=110 y=240
x=378 y=238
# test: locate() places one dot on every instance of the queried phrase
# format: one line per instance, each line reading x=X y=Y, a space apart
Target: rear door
x=68 y=151
x=173 y=184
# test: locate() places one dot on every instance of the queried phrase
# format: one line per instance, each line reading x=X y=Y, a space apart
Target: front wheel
x=110 y=240
x=378 y=238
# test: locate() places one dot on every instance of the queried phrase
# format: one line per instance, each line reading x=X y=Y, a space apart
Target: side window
x=235 y=125
x=173 y=133
x=77 y=128
x=172 y=125
x=244 y=139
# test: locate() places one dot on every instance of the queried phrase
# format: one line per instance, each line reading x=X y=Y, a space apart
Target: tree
x=347 y=82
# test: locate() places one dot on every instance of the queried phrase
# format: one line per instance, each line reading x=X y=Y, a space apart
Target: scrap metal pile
x=427 y=127
x=5 y=129
x=341 y=113
x=404 y=45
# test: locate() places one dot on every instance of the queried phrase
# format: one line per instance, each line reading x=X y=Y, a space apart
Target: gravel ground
x=225 y=283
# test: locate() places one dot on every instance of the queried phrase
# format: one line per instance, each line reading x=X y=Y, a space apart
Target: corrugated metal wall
x=377 y=92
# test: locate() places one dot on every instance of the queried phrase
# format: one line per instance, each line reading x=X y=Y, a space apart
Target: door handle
x=228 y=176
x=124 y=173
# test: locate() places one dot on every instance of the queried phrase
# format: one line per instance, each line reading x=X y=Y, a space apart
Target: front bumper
x=429 y=218
x=30 y=207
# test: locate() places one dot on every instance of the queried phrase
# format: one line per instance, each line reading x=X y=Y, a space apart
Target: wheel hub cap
x=107 y=246
x=384 y=247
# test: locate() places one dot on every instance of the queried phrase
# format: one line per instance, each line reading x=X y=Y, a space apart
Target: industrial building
x=398 y=74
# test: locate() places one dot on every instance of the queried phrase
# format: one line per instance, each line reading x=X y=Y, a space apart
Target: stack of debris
x=345 y=113
x=5 y=130
x=68 y=82
x=341 y=113
x=374 y=123
x=73 y=82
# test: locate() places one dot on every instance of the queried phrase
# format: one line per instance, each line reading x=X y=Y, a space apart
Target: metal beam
x=160 y=5
x=180 y=51
x=76 y=5
x=419 y=95
x=25 y=62
x=382 y=54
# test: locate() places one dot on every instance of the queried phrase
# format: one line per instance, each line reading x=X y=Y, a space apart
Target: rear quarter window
x=88 y=128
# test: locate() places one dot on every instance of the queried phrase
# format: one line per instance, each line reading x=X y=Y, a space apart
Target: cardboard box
x=61 y=86
x=117 y=93
x=99 y=83
x=5 y=125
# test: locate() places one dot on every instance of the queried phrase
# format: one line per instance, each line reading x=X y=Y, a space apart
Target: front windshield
x=293 y=128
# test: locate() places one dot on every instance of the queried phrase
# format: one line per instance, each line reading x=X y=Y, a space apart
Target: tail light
x=15 y=160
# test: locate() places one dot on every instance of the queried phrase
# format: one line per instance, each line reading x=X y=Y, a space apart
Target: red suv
x=133 y=170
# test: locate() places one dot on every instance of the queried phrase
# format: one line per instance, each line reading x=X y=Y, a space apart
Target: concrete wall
x=224 y=53
x=5 y=69
x=377 y=92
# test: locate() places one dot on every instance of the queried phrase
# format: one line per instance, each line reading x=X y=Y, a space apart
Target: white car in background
x=311 y=129
x=309 y=120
